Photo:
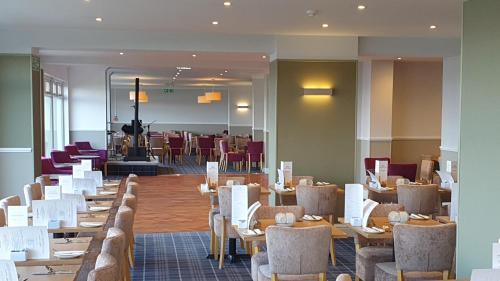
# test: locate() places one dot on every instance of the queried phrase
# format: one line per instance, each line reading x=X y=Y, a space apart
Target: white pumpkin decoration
x=398 y=217
x=285 y=218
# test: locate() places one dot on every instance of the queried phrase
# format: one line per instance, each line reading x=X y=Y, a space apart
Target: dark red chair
x=370 y=163
x=84 y=145
x=48 y=168
x=229 y=156
x=175 y=148
x=255 y=154
x=98 y=163
x=62 y=159
x=72 y=149
x=205 y=148
x=408 y=171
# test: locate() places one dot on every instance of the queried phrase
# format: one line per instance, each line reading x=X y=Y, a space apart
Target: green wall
x=479 y=208
x=317 y=133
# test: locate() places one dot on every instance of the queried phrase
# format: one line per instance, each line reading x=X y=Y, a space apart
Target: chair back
x=370 y=162
x=298 y=251
x=3 y=220
x=408 y=171
x=317 y=200
x=217 y=145
x=236 y=180
x=424 y=248
x=268 y=212
x=296 y=180
x=225 y=199
x=156 y=142
x=130 y=201
x=205 y=143
x=106 y=269
x=132 y=178
x=32 y=192
x=83 y=145
x=224 y=147
x=132 y=188
x=383 y=210
x=426 y=170
x=124 y=220
x=419 y=199
x=255 y=147
x=59 y=156
x=9 y=201
x=175 y=142
x=43 y=181
x=114 y=245
x=71 y=149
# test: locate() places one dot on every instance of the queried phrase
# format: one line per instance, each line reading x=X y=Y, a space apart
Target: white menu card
x=85 y=186
x=78 y=172
x=34 y=239
x=495 y=260
x=239 y=206
x=17 y=216
x=52 y=192
x=374 y=182
x=381 y=170
x=64 y=211
x=446 y=179
x=368 y=207
x=66 y=184
x=213 y=174
x=78 y=200
x=8 y=271
x=95 y=175
x=86 y=164
x=353 y=203
x=287 y=168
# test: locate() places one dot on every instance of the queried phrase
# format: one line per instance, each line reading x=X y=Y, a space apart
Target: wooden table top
x=263 y=191
x=100 y=196
x=394 y=189
x=84 y=217
x=77 y=244
x=265 y=223
x=380 y=222
x=27 y=273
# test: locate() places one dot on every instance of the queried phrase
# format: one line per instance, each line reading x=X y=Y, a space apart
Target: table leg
x=233 y=257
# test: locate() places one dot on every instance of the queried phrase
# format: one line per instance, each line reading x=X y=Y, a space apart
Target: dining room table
x=48 y=273
x=291 y=192
x=88 y=217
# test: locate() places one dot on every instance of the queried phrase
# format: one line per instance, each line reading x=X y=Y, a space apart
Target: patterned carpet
x=190 y=166
x=182 y=256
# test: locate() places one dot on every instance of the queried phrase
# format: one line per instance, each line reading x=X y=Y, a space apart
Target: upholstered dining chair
x=368 y=255
x=114 y=244
x=3 y=220
x=230 y=156
x=222 y=221
x=84 y=145
x=106 y=269
x=72 y=149
x=421 y=252
x=216 y=150
x=131 y=178
x=297 y=179
x=130 y=201
x=175 y=148
x=44 y=181
x=9 y=201
x=205 y=149
x=370 y=163
x=255 y=154
x=157 y=147
x=48 y=168
x=296 y=253
x=419 y=199
x=133 y=188
x=344 y=277
x=61 y=159
x=32 y=192
x=318 y=200
x=124 y=220
x=426 y=171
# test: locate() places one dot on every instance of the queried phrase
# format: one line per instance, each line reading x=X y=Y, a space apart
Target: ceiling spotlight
x=225 y=71
x=87 y=1
x=193 y=55
x=400 y=58
x=432 y=27
x=98 y=19
x=264 y=57
x=174 y=78
x=122 y=53
x=222 y=74
x=215 y=22
x=227 y=3
x=179 y=70
x=361 y=7
x=325 y=25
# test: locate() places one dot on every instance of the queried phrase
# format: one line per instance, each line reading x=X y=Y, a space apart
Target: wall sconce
x=318 y=92
x=243 y=106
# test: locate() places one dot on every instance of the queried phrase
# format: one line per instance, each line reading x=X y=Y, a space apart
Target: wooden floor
x=171 y=203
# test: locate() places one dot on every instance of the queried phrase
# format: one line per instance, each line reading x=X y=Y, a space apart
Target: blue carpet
x=190 y=166
x=182 y=256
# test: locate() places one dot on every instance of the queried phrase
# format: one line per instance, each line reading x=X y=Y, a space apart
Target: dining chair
x=131 y=178
x=48 y=168
x=193 y=143
x=84 y=145
x=296 y=253
x=125 y=221
x=133 y=188
x=44 y=181
x=426 y=171
x=408 y=171
x=370 y=163
x=106 y=269
x=368 y=254
x=61 y=158
x=318 y=200
x=185 y=136
x=222 y=221
x=419 y=199
x=130 y=201
x=216 y=148
x=175 y=148
x=114 y=245
x=421 y=252
x=344 y=277
x=32 y=192
x=157 y=145
x=230 y=157
x=255 y=154
x=3 y=220
x=205 y=147
x=297 y=179
x=9 y=201
x=72 y=149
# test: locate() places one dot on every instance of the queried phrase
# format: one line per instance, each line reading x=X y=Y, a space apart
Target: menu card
x=239 y=206
x=381 y=170
x=84 y=186
x=281 y=179
x=454 y=202
x=17 y=216
x=368 y=207
x=8 y=271
x=446 y=179
x=33 y=239
x=64 y=211
x=286 y=168
x=212 y=174
x=374 y=182
x=95 y=175
x=78 y=200
x=496 y=255
x=86 y=164
x=66 y=184
x=485 y=275
x=52 y=192
x=78 y=172
x=353 y=212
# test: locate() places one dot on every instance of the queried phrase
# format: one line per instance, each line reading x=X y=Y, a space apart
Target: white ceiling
x=410 y=18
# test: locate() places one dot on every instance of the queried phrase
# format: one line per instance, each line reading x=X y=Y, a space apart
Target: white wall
x=450 y=123
x=381 y=100
x=240 y=117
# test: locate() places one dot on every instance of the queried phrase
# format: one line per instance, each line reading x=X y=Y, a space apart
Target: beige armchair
x=130 y=201
x=124 y=220
x=296 y=253
x=114 y=244
x=422 y=253
x=32 y=192
x=222 y=221
x=318 y=200
x=106 y=269
x=43 y=181
x=9 y=201
x=419 y=199
x=133 y=188
x=368 y=255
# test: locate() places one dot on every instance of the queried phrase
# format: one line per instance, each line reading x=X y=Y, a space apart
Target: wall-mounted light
x=143 y=96
x=318 y=92
x=243 y=106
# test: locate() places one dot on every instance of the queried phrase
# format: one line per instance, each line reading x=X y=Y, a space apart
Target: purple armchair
x=370 y=163
x=205 y=148
x=408 y=171
x=255 y=154
x=84 y=145
x=62 y=159
x=48 y=168
x=228 y=156
x=175 y=148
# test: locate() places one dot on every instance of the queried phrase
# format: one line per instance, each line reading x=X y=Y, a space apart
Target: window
x=54 y=114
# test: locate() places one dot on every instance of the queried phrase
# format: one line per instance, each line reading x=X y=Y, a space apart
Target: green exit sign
x=168 y=91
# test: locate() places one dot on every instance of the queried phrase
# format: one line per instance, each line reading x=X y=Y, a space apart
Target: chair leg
x=356 y=278
x=332 y=252
x=216 y=248
x=400 y=275
x=274 y=277
x=222 y=244
x=322 y=276
x=446 y=275
x=212 y=239
x=131 y=256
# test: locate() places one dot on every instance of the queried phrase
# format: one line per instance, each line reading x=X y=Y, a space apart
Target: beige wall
x=317 y=132
x=381 y=99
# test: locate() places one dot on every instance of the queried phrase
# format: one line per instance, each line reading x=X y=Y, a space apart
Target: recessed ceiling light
x=432 y=27
x=215 y=22
x=227 y=3
x=361 y=7
x=122 y=53
x=400 y=58
x=325 y=25
x=179 y=70
x=222 y=74
x=264 y=57
x=98 y=19
x=225 y=71
x=87 y=1
x=174 y=78
x=193 y=55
